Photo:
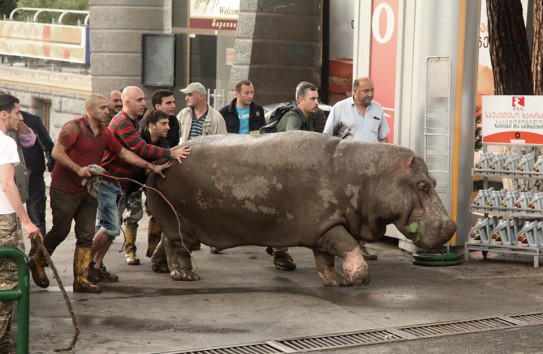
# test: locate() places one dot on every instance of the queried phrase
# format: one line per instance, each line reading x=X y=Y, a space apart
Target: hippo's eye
x=423 y=187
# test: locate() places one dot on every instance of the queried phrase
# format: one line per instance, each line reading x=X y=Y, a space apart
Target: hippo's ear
x=410 y=163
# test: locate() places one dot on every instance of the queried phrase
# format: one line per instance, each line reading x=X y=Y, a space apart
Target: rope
x=177 y=214
x=64 y=294
x=54 y=269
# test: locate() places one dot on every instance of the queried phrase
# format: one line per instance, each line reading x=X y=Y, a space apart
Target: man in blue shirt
x=242 y=115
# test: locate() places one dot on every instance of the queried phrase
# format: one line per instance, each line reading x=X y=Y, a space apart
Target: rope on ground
x=64 y=294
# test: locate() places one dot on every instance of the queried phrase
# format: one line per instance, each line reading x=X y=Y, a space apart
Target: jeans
x=111 y=205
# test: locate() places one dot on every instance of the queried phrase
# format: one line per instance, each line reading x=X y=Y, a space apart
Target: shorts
x=111 y=205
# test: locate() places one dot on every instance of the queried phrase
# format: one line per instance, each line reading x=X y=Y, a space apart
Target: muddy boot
x=367 y=255
x=153 y=237
x=130 y=246
x=36 y=265
x=282 y=260
x=82 y=257
x=104 y=275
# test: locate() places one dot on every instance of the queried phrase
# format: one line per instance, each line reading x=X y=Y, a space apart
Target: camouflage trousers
x=10 y=235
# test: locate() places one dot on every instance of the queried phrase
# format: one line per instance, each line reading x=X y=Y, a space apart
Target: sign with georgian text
x=513 y=120
x=214 y=14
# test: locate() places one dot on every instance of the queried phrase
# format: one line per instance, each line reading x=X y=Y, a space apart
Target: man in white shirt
x=359 y=118
x=12 y=212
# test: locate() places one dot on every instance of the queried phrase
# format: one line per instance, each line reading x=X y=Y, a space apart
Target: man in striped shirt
x=198 y=118
x=111 y=202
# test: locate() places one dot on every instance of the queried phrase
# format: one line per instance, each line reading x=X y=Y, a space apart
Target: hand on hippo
x=179 y=153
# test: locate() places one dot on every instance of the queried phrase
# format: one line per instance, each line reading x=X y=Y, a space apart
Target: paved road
x=242 y=299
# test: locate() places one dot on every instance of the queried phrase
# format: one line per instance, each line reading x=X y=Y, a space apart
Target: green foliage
x=478 y=130
x=6 y=6
x=71 y=19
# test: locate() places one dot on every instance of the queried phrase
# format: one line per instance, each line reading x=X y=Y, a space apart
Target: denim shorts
x=110 y=206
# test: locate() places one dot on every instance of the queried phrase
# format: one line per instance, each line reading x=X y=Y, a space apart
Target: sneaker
x=106 y=276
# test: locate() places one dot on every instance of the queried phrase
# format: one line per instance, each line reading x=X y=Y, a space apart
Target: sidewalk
x=243 y=299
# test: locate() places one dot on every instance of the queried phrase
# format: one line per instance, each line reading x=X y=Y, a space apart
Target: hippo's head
x=415 y=207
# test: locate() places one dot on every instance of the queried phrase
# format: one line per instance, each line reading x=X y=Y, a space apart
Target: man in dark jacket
x=242 y=115
x=35 y=157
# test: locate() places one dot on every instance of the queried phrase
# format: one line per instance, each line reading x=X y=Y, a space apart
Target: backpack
x=275 y=116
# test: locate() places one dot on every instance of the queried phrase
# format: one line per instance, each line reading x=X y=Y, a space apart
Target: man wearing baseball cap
x=198 y=118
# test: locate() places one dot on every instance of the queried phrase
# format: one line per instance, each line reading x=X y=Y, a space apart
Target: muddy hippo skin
x=296 y=189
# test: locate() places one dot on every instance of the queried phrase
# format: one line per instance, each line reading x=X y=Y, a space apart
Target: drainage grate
x=241 y=349
x=340 y=340
x=322 y=342
x=532 y=318
x=441 y=329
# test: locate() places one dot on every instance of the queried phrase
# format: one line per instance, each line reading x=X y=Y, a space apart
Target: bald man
x=362 y=119
x=112 y=201
x=82 y=142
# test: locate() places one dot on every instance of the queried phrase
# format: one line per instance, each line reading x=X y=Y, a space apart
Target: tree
x=511 y=64
x=54 y=4
x=509 y=50
x=6 y=7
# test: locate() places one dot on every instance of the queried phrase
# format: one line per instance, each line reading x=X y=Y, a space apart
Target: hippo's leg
x=337 y=241
x=179 y=261
x=326 y=268
x=159 y=262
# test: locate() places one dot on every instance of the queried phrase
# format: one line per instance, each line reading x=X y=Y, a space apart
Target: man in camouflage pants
x=13 y=216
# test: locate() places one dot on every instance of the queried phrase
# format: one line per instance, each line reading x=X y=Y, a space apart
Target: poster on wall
x=214 y=14
x=512 y=120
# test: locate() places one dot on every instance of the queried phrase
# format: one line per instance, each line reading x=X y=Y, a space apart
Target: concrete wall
x=62 y=94
x=115 y=40
x=278 y=44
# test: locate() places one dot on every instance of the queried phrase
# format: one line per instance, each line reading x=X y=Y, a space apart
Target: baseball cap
x=195 y=87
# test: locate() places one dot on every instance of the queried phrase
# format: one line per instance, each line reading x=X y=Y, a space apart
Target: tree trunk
x=537 y=47
x=509 y=51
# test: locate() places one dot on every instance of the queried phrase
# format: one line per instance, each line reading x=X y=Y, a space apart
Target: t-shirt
x=84 y=149
x=243 y=115
x=8 y=155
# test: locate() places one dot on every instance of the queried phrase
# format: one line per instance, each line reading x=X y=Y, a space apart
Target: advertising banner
x=384 y=43
x=214 y=14
x=44 y=41
x=513 y=120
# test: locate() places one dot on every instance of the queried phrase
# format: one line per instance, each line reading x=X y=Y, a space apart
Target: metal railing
x=20 y=294
x=58 y=11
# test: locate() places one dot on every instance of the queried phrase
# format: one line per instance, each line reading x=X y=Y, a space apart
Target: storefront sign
x=214 y=14
x=44 y=41
x=513 y=120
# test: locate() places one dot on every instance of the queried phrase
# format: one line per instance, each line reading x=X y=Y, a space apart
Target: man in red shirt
x=82 y=142
x=112 y=201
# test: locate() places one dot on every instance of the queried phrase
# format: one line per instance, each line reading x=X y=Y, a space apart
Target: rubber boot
x=153 y=237
x=367 y=255
x=82 y=257
x=130 y=246
x=37 y=268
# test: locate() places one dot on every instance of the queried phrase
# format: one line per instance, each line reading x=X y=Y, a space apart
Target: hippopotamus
x=293 y=189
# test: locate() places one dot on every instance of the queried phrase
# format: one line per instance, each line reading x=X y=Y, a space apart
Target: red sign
x=384 y=38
